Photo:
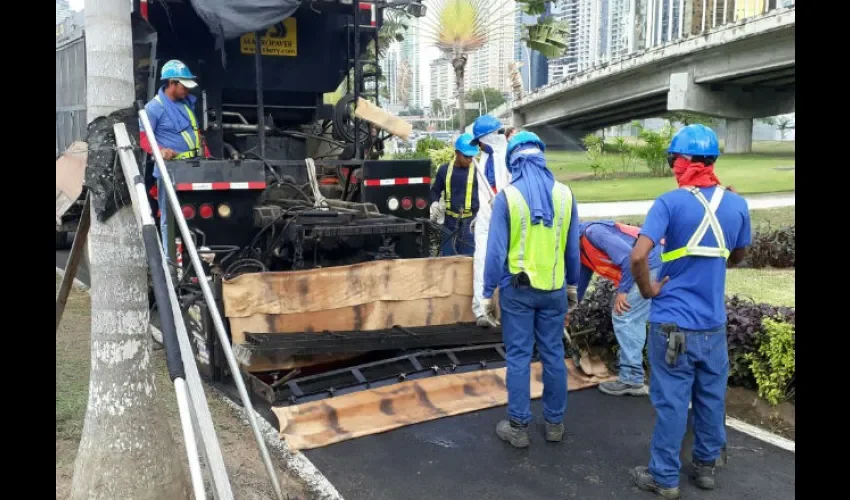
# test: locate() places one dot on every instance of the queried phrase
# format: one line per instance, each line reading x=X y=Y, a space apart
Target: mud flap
x=320 y=423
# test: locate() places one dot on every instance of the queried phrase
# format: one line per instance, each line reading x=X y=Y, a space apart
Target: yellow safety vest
x=194 y=145
x=709 y=220
x=537 y=250
x=467 y=201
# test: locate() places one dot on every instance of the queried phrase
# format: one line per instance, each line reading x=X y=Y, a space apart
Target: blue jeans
x=630 y=330
x=462 y=243
x=528 y=316
x=698 y=376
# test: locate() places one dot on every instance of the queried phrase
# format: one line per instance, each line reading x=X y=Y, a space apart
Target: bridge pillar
x=739 y=136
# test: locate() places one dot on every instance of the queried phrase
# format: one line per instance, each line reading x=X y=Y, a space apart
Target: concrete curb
x=295 y=462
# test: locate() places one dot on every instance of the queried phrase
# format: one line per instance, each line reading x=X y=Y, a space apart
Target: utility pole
x=127 y=450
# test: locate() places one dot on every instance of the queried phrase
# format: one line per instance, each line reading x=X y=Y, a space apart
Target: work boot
x=554 y=432
x=702 y=474
x=617 y=388
x=644 y=480
x=514 y=433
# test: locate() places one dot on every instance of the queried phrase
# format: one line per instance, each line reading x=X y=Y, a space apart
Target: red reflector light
x=188 y=211
x=420 y=203
x=206 y=211
x=406 y=203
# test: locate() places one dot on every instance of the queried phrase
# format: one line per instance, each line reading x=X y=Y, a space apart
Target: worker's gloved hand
x=572 y=297
x=489 y=307
x=438 y=212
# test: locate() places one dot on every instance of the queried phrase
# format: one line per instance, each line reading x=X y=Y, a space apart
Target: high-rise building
x=535 y=66
x=442 y=81
x=389 y=69
x=489 y=66
x=409 y=54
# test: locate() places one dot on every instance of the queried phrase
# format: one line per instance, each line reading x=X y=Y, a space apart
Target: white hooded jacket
x=499 y=144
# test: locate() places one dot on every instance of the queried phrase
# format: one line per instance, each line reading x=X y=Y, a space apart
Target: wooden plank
x=76 y=255
x=319 y=423
x=383 y=119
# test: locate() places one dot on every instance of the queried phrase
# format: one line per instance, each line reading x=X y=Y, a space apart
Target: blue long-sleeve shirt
x=458 y=187
x=496 y=272
x=618 y=245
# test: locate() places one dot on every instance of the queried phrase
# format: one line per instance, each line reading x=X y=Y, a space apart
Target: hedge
x=760 y=339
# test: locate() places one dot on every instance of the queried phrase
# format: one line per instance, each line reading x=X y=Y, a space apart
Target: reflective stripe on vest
x=467 y=200
x=194 y=146
x=598 y=261
x=693 y=248
x=537 y=250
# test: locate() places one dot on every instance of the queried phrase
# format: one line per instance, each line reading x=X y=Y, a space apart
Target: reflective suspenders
x=693 y=247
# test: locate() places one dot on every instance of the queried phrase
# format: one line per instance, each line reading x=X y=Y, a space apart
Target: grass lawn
x=771 y=286
x=242 y=461
x=750 y=174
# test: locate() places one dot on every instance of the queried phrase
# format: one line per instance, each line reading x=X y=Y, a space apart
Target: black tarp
x=229 y=19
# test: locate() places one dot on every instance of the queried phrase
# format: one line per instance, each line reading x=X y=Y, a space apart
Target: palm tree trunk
x=127 y=450
x=459 y=65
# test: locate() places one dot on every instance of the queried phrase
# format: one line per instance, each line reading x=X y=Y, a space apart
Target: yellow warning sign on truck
x=279 y=40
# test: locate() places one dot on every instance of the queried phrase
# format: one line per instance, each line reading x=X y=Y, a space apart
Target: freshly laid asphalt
x=461 y=458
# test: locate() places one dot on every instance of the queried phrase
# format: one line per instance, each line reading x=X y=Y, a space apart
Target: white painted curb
x=317 y=484
x=759 y=433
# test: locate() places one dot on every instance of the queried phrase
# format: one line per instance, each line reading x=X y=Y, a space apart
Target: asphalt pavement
x=462 y=458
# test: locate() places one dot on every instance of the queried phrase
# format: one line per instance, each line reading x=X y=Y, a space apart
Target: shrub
x=653 y=150
x=773 y=248
x=773 y=363
x=599 y=162
x=745 y=330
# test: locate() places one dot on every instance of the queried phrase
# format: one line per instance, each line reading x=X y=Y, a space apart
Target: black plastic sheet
x=104 y=178
x=230 y=19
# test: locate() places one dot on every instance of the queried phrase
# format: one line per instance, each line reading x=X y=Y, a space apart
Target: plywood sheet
x=335 y=288
x=320 y=423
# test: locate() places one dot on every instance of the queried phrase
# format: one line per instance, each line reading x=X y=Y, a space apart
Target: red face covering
x=694 y=174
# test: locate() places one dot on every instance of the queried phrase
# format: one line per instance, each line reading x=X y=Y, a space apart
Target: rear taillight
x=188 y=212
x=206 y=211
x=392 y=203
x=406 y=203
x=420 y=203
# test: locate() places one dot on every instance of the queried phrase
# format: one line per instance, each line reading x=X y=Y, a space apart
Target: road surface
x=461 y=458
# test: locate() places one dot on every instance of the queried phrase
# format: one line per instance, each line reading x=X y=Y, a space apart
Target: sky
x=76 y=4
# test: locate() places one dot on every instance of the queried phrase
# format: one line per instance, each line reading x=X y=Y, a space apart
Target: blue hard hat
x=463 y=145
x=175 y=70
x=695 y=140
x=524 y=137
x=484 y=125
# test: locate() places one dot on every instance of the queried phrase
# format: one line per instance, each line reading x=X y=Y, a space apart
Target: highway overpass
x=738 y=71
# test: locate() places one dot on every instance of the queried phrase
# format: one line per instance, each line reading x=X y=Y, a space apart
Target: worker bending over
x=704 y=225
x=454 y=198
x=533 y=258
x=175 y=128
x=488 y=135
x=606 y=247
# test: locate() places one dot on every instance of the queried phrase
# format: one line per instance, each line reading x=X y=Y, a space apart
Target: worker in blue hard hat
x=488 y=134
x=533 y=260
x=175 y=127
x=454 y=198
x=706 y=227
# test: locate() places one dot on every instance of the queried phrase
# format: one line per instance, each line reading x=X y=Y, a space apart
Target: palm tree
x=126 y=449
x=460 y=27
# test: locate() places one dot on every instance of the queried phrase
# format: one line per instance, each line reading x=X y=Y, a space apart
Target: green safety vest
x=537 y=250
x=709 y=220
x=194 y=145
x=467 y=200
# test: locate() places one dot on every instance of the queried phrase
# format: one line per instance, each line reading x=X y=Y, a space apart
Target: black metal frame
x=412 y=366
x=397 y=337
